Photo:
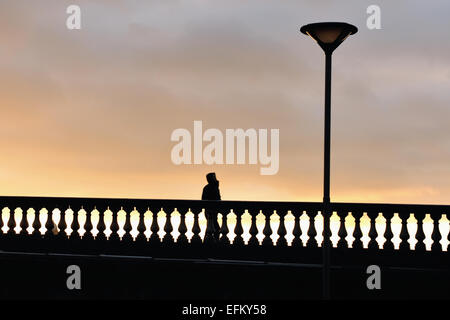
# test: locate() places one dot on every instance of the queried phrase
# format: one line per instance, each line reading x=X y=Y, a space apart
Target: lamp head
x=329 y=35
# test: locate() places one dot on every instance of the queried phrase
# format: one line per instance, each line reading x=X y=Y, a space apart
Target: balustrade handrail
x=238 y=204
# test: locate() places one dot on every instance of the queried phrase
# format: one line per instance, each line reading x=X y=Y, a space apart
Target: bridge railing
x=284 y=231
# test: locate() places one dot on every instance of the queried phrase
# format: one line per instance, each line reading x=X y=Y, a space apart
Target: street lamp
x=328 y=35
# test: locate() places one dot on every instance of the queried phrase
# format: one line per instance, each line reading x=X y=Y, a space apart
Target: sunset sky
x=90 y=112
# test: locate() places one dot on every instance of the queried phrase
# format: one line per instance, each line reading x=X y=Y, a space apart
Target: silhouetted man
x=211 y=192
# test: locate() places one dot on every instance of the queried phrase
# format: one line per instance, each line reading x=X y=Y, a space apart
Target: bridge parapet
x=251 y=230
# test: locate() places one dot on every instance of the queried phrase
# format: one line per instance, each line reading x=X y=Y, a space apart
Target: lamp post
x=328 y=35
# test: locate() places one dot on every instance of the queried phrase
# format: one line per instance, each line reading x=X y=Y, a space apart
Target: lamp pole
x=329 y=35
x=326 y=180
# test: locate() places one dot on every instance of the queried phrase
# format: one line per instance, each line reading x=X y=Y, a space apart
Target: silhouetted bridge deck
x=279 y=236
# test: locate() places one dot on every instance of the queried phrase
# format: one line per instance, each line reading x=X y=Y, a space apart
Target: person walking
x=211 y=192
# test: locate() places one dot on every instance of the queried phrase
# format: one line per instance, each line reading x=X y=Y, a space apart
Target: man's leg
x=216 y=226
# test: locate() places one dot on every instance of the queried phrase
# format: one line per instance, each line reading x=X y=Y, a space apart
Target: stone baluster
x=253 y=241
x=154 y=228
x=267 y=231
x=297 y=231
x=281 y=241
x=88 y=225
x=404 y=235
x=101 y=226
x=373 y=244
x=182 y=239
x=168 y=228
x=357 y=233
x=342 y=232
x=114 y=236
x=127 y=237
x=436 y=234
x=238 y=230
x=312 y=232
x=141 y=237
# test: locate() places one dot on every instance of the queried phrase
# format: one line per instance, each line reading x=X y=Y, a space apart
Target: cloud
x=90 y=113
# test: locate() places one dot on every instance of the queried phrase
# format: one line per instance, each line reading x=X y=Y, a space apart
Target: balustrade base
x=34 y=276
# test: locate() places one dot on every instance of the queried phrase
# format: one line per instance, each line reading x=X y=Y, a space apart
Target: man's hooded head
x=211 y=178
